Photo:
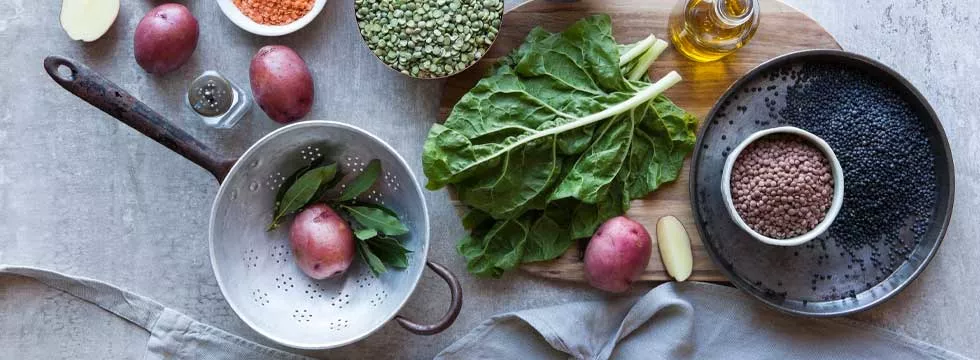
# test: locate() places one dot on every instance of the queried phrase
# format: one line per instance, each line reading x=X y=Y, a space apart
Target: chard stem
x=651 y=55
x=639 y=48
x=641 y=97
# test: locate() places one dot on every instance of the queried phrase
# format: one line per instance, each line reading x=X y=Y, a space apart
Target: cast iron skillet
x=754 y=267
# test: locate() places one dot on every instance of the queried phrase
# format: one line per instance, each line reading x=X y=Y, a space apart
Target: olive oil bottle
x=708 y=30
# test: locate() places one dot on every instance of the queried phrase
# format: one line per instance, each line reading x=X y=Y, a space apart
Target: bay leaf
x=362 y=182
x=377 y=219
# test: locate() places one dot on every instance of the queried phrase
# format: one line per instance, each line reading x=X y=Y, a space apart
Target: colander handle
x=110 y=98
x=455 y=304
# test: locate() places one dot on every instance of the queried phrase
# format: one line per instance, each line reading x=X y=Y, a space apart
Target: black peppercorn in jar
x=216 y=100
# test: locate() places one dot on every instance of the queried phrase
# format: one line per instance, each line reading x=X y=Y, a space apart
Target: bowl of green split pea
x=429 y=39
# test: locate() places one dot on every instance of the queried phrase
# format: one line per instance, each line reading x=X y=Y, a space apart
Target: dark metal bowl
x=755 y=267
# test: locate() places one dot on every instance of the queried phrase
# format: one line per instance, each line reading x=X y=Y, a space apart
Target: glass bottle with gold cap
x=708 y=30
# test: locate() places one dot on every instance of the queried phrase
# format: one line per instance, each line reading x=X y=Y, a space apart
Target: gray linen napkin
x=173 y=335
x=681 y=321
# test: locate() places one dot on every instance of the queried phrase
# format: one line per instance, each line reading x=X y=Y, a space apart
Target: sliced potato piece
x=675 y=248
x=88 y=20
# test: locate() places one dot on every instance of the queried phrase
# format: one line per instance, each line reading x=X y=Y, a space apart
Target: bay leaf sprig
x=362 y=182
x=376 y=219
x=375 y=226
x=299 y=193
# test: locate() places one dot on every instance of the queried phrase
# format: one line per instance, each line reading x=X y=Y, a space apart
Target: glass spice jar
x=217 y=101
x=708 y=30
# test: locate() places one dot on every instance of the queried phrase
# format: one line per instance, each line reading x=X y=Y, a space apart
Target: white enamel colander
x=255 y=268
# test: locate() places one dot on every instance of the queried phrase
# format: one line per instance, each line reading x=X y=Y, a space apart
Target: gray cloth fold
x=681 y=321
x=672 y=321
x=173 y=335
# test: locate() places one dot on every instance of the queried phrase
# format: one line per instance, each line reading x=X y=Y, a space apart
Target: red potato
x=322 y=242
x=281 y=83
x=617 y=254
x=165 y=38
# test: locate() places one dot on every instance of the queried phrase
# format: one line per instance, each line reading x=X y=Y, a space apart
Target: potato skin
x=281 y=83
x=617 y=254
x=322 y=242
x=165 y=38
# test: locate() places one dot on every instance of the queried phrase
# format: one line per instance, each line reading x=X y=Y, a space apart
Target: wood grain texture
x=783 y=30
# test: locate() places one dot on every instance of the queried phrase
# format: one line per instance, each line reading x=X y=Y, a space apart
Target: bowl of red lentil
x=271 y=17
x=784 y=186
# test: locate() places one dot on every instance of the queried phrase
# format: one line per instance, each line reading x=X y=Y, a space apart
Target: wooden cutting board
x=783 y=30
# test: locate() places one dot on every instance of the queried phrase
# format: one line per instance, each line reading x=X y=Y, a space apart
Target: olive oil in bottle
x=708 y=30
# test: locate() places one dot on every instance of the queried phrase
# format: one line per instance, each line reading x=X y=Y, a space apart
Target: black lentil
x=889 y=172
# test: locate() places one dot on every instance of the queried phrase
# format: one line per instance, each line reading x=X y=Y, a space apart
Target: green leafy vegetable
x=369 y=258
x=301 y=192
x=362 y=182
x=556 y=139
x=373 y=224
x=376 y=219
x=364 y=234
x=286 y=184
x=390 y=251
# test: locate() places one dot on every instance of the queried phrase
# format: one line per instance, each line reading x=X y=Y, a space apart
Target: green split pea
x=429 y=38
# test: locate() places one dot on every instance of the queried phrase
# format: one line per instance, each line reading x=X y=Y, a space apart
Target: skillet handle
x=455 y=304
x=108 y=97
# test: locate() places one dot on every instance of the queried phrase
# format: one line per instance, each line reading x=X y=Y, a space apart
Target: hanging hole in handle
x=66 y=72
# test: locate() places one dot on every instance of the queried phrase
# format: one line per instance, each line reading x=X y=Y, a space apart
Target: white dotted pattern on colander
x=309 y=288
x=257 y=270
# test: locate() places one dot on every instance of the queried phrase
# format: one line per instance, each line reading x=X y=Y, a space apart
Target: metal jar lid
x=210 y=95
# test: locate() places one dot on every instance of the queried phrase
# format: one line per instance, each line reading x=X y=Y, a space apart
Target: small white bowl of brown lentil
x=784 y=186
x=271 y=17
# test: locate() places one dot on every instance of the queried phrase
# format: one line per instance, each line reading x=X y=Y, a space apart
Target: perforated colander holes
x=354 y=164
x=379 y=297
x=284 y=282
x=302 y=315
x=365 y=280
x=310 y=153
x=250 y=259
x=338 y=324
x=313 y=292
x=340 y=300
x=260 y=297
x=280 y=253
x=337 y=299
x=274 y=181
x=391 y=181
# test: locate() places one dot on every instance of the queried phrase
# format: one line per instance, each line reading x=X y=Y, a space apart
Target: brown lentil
x=782 y=186
x=274 y=12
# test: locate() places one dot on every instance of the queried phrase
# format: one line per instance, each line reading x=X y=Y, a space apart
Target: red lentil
x=274 y=12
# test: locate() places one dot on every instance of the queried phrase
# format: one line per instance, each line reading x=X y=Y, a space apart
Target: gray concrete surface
x=83 y=194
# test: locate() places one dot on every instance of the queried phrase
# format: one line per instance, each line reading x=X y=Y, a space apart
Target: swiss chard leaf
x=475 y=218
x=498 y=251
x=554 y=141
x=589 y=178
x=549 y=236
x=362 y=182
x=377 y=219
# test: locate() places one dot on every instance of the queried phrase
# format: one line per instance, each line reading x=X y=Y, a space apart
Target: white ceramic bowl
x=835 y=205
x=246 y=23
